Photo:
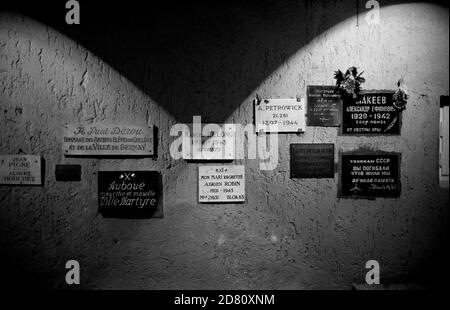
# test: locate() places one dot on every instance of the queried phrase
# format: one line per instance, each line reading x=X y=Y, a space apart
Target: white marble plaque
x=218 y=184
x=214 y=145
x=287 y=114
x=103 y=139
x=20 y=169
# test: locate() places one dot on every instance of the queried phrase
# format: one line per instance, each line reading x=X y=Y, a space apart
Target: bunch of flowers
x=400 y=96
x=350 y=82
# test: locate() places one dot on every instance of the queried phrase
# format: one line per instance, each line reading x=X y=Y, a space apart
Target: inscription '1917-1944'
x=280 y=115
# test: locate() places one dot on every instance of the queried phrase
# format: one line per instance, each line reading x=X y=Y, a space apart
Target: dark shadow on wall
x=197 y=57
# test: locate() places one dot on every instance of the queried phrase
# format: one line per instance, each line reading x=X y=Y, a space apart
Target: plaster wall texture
x=290 y=233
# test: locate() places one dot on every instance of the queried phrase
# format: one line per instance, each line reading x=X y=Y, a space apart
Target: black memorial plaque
x=312 y=160
x=68 y=173
x=370 y=175
x=129 y=194
x=370 y=113
x=323 y=106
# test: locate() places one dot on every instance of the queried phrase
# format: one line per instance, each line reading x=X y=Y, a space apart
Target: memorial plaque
x=20 y=170
x=370 y=175
x=312 y=160
x=323 y=106
x=129 y=194
x=221 y=184
x=215 y=145
x=68 y=173
x=287 y=114
x=371 y=113
x=102 y=139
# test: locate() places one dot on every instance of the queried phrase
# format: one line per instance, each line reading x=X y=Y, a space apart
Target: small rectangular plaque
x=68 y=173
x=102 y=139
x=312 y=160
x=221 y=183
x=129 y=194
x=216 y=145
x=370 y=175
x=287 y=114
x=323 y=106
x=371 y=113
x=20 y=170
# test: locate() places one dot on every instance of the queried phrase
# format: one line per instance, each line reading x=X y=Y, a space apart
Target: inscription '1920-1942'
x=372 y=112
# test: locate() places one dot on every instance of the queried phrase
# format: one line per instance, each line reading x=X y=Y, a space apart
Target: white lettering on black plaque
x=312 y=160
x=370 y=175
x=372 y=112
x=128 y=194
x=323 y=106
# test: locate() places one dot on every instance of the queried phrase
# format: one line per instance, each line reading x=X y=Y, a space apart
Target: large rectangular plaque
x=103 y=139
x=370 y=175
x=323 y=106
x=312 y=160
x=287 y=114
x=129 y=194
x=221 y=184
x=20 y=170
x=371 y=113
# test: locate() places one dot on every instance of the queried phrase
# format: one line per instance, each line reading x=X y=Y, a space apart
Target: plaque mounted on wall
x=130 y=194
x=372 y=112
x=370 y=175
x=105 y=140
x=323 y=106
x=215 y=145
x=287 y=114
x=221 y=184
x=312 y=160
x=68 y=173
x=20 y=170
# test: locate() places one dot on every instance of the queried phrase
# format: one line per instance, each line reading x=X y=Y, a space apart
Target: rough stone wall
x=290 y=233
